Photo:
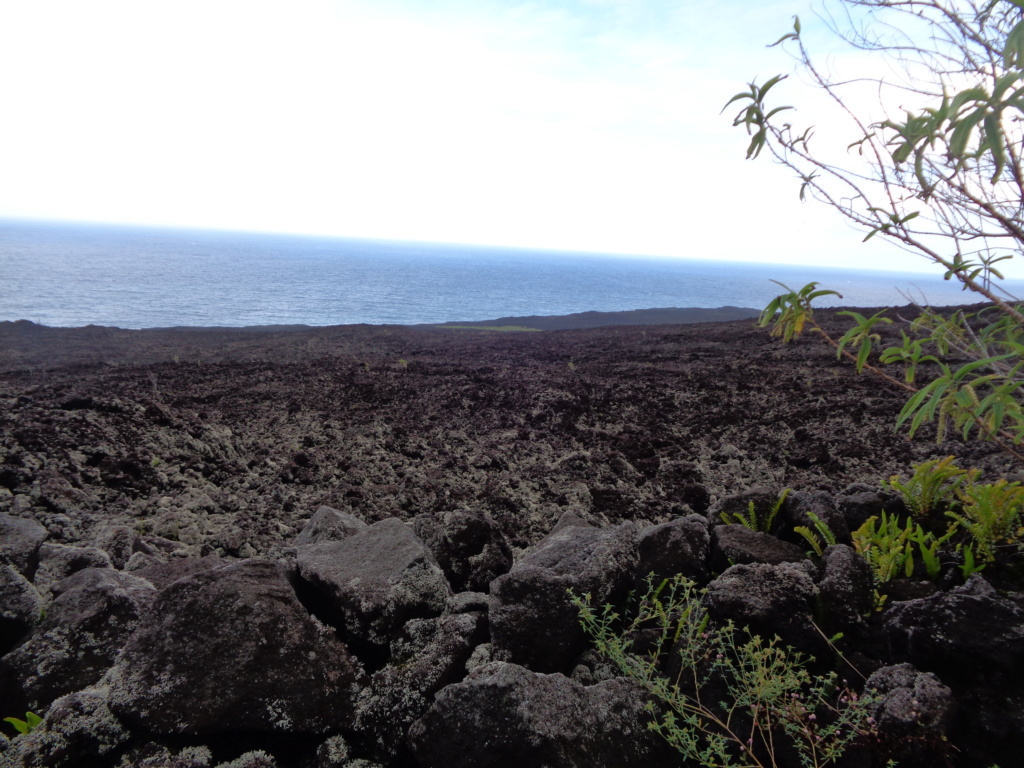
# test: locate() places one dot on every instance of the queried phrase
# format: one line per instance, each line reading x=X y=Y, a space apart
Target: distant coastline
x=582 y=320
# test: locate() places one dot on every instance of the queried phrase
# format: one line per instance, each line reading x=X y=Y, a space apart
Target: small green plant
x=820 y=537
x=970 y=564
x=992 y=515
x=754 y=521
x=932 y=484
x=886 y=545
x=889 y=546
x=737 y=700
x=29 y=724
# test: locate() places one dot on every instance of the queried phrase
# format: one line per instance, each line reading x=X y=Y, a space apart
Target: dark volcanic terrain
x=353 y=547
x=228 y=440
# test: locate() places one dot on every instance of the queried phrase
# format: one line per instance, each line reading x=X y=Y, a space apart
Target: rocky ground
x=138 y=457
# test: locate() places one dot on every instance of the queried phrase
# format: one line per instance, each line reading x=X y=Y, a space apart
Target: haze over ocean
x=131 y=277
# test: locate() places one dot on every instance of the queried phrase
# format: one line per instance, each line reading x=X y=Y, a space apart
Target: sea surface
x=131 y=277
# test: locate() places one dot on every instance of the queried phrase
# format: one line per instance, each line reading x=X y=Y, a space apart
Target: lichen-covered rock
x=94 y=613
x=505 y=716
x=151 y=755
x=470 y=548
x=845 y=587
x=430 y=654
x=970 y=632
x=770 y=600
x=58 y=561
x=533 y=622
x=680 y=546
x=119 y=542
x=78 y=729
x=254 y=759
x=375 y=581
x=913 y=711
x=738 y=545
x=20 y=539
x=21 y=607
x=233 y=649
x=329 y=524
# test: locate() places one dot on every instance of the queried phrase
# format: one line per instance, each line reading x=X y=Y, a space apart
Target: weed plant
x=720 y=696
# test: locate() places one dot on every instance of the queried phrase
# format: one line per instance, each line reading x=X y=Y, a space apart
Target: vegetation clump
x=725 y=698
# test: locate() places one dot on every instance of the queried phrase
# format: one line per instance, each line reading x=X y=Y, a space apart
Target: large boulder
x=20 y=540
x=94 y=613
x=428 y=655
x=469 y=547
x=770 y=600
x=370 y=584
x=533 y=621
x=234 y=649
x=21 y=607
x=505 y=716
x=968 y=634
x=679 y=546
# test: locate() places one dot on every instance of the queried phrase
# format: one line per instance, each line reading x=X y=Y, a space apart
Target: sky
x=585 y=125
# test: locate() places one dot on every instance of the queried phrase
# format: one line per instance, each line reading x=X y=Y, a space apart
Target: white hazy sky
x=587 y=125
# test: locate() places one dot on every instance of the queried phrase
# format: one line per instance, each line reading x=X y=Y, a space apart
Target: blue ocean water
x=132 y=277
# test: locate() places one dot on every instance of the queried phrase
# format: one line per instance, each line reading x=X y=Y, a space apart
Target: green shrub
x=737 y=701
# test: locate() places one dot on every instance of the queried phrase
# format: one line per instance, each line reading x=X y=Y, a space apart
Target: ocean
x=68 y=275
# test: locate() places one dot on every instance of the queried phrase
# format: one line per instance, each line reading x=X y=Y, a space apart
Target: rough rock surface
x=770 y=600
x=506 y=716
x=914 y=712
x=21 y=607
x=58 y=561
x=679 y=546
x=430 y=654
x=738 y=545
x=533 y=621
x=328 y=524
x=20 y=539
x=968 y=633
x=469 y=547
x=374 y=581
x=845 y=589
x=93 y=614
x=79 y=729
x=285 y=671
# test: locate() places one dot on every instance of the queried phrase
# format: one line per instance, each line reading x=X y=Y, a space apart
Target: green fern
x=992 y=515
x=752 y=520
x=820 y=538
x=932 y=484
